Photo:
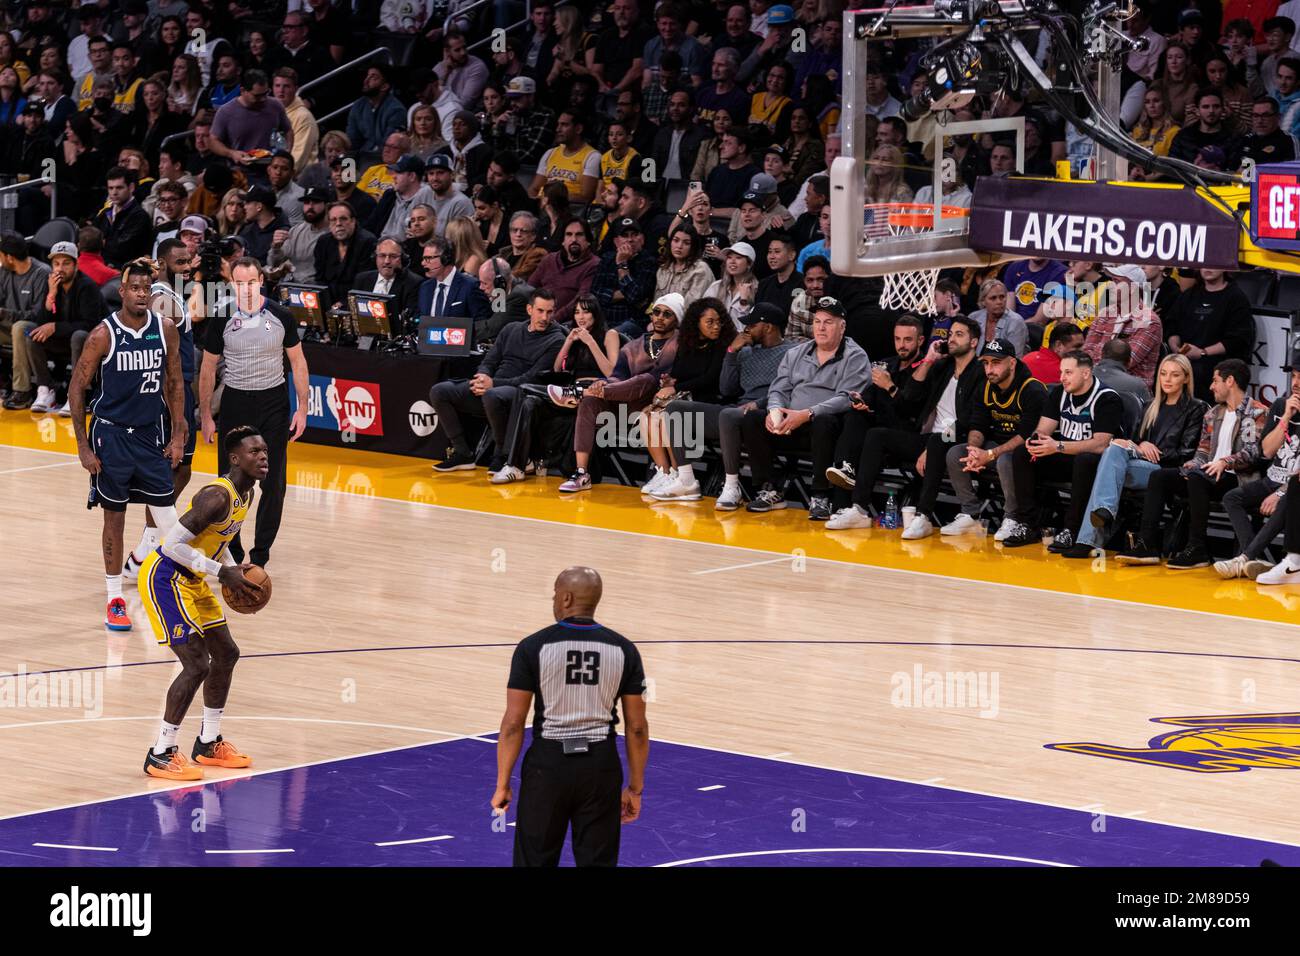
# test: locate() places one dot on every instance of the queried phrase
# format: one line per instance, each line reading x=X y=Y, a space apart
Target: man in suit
x=340 y=255
x=391 y=276
x=678 y=139
x=507 y=296
x=448 y=292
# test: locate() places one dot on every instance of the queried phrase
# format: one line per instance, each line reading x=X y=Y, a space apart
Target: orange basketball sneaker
x=115 y=618
x=171 y=765
x=220 y=753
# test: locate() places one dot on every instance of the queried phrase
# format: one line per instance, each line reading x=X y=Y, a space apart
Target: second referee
x=578 y=670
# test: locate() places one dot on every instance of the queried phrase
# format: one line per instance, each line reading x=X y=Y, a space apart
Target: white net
x=911 y=290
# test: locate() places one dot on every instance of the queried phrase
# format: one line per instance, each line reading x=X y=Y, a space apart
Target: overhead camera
x=958 y=73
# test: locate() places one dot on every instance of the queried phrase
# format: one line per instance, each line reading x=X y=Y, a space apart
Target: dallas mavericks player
x=128 y=452
x=165 y=298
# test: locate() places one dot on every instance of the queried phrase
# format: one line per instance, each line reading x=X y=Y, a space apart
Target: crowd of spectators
x=647 y=186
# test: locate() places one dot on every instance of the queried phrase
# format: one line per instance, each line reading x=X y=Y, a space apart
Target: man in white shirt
x=92 y=25
x=203 y=45
x=1145 y=62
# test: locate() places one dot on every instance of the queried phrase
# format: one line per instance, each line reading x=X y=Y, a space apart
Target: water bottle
x=278 y=141
x=891 y=512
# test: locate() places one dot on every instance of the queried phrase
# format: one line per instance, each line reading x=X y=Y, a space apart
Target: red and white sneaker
x=115 y=619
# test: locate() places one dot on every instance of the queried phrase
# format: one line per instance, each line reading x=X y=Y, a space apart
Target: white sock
x=686 y=474
x=732 y=481
x=113 y=584
x=166 y=737
x=148 y=541
x=211 y=724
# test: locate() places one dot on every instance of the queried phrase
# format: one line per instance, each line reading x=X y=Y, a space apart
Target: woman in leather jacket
x=1167 y=437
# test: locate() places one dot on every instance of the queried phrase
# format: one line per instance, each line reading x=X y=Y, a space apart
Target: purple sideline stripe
x=332 y=814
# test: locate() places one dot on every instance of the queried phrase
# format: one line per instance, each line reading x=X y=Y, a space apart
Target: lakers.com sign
x=1042 y=219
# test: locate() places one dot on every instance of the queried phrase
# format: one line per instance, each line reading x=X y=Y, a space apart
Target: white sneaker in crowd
x=47 y=400
x=506 y=475
x=1284 y=572
x=850 y=517
x=679 y=489
x=920 y=527
x=658 y=481
x=732 y=498
x=1006 y=529
x=962 y=524
x=66 y=410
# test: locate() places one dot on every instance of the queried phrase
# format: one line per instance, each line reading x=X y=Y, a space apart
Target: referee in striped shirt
x=572 y=776
x=255 y=337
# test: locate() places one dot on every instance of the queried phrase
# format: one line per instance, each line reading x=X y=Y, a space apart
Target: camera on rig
x=212 y=251
x=957 y=73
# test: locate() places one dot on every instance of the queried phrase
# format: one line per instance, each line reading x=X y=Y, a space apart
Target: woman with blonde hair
x=1166 y=438
x=230 y=215
x=467 y=244
x=185 y=91
x=738 y=284
x=569 y=60
x=333 y=144
x=426 y=136
x=885 y=176
x=1156 y=128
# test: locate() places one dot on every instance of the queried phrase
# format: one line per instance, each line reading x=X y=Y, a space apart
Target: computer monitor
x=445 y=336
x=373 y=313
x=307 y=303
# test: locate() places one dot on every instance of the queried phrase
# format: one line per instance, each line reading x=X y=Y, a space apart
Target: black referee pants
x=557 y=791
x=268 y=412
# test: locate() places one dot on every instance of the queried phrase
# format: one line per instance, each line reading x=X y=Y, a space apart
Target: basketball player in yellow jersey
x=571 y=161
x=185 y=615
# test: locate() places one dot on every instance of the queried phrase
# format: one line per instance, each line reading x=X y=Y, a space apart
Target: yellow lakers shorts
x=179 y=605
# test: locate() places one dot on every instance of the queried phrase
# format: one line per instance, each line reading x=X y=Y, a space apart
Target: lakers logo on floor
x=1215 y=744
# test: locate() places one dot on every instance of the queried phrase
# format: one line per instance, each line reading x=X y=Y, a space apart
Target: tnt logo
x=455 y=336
x=309 y=299
x=359 y=410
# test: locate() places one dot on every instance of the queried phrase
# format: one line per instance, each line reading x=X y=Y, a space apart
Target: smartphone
x=942 y=347
x=695 y=186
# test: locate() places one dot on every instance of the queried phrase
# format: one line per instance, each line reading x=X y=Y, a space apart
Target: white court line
x=862 y=849
x=251 y=773
x=420 y=840
x=752 y=564
x=65 y=846
x=716 y=786
x=220 y=852
x=946 y=579
x=57 y=464
x=783 y=753
x=931 y=781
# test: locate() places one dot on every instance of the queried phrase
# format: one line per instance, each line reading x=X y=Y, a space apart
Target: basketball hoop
x=910 y=291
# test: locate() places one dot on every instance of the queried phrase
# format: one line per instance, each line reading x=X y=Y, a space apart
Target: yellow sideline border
x=314 y=469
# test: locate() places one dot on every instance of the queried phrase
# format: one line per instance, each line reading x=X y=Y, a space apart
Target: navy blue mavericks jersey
x=183 y=326
x=131 y=375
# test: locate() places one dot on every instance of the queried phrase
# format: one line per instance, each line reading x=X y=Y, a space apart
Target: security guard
x=571 y=774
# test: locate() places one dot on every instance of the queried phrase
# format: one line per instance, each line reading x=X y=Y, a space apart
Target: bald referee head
x=577 y=592
x=573 y=674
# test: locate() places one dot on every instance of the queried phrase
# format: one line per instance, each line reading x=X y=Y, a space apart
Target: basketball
x=257 y=576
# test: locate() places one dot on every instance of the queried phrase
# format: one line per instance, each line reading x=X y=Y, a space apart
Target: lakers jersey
x=566 y=169
x=612 y=169
x=213 y=540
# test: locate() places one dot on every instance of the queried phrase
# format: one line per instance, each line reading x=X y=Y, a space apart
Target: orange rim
x=919 y=215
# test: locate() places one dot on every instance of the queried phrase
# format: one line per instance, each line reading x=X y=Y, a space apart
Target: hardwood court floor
x=399 y=596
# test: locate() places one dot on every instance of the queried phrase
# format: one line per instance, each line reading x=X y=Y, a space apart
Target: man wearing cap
x=1208 y=130
x=394 y=209
x=448 y=202
x=776 y=46
x=1125 y=315
x=731 y=178
x=261 y=220
x=1002 y=419
x=624 y=280
x=376 y=114
x=523 y=128
x=288 y=194
x=755 y=232
x=247 y=122
x=460 y=71
x=70 y=308
x=636 y=200
x=772 y=214
x=571 y=161
x=470 y=156
x=569 y=271
x=297 y=244
x=805 y=406
x=306 y=131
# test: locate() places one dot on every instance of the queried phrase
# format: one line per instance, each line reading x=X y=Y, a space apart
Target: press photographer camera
x=212 y=253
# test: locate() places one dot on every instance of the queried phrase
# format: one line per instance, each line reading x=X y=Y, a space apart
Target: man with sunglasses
x=246 y=123
x=805 y=407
